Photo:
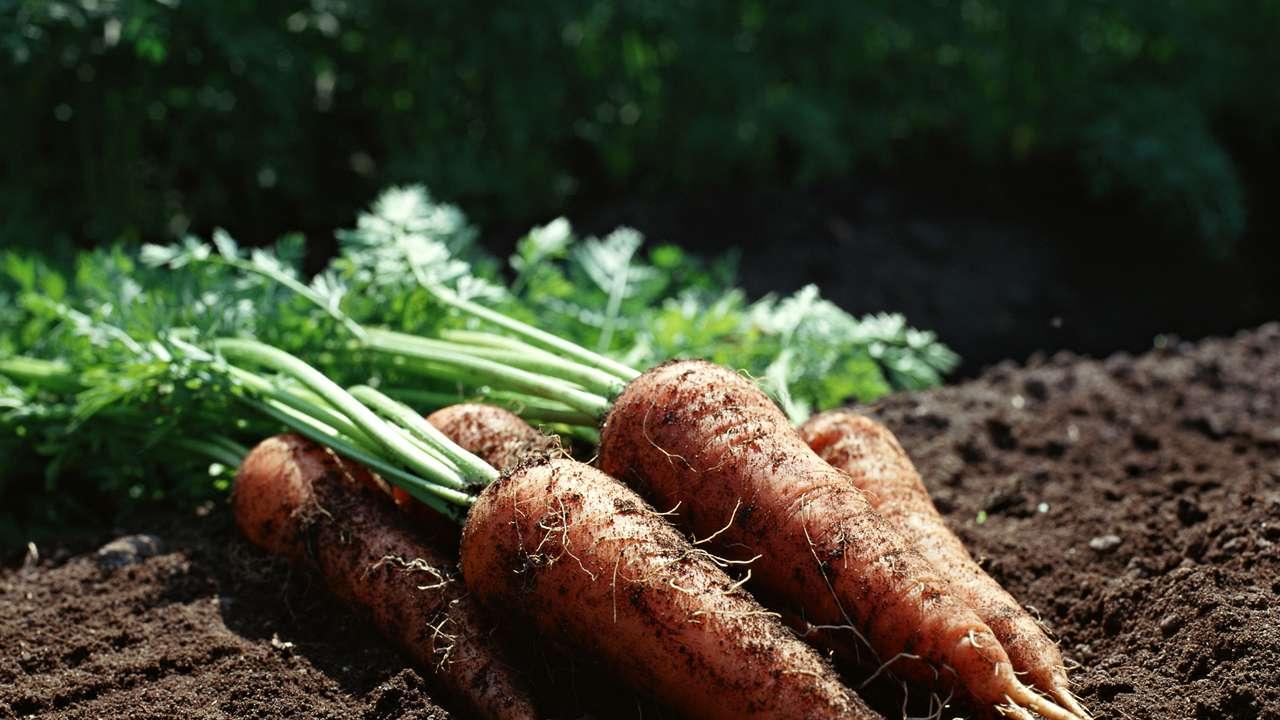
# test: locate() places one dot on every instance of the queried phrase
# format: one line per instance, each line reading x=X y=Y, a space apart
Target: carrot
x=497 y=436
x=869 y=454
x=491 y=434
x=595 y=568
x=297 y=499
x=701 y=438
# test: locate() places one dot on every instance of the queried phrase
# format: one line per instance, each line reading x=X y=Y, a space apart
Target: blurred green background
x=145 y=119
x=1017 y=176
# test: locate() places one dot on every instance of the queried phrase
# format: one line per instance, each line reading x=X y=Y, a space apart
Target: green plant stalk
x=313 y=407
x=516 y=354
x=599 y=372
x=49 y=374
x=595 y=371
x=536 y=336
x=425 y=431
x=231 y=446
x=214 y=450
x=590 y=378
x=294 y=285
x=479 y=370
x=362 y=417
x=585 y=433
x=526 y=406
x=448 y=502
x=453 y=364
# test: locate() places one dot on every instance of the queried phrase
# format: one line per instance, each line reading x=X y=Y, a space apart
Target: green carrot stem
x=538 y=337
x=231 y=446
x=50 y=374
x=401 y=449
x=529 y=358
x=531 y=408
x=212 y=450
x=469 y=464
x=312 y=407
x=482 y=371
x=296 y=286
x=585 y=433
x=441 y=499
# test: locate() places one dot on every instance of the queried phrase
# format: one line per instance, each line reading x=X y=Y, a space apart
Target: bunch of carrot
x=702 y=498
x=832 y=522
x=558 y=542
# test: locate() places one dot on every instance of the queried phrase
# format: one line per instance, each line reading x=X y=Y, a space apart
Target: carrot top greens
x=116 y=372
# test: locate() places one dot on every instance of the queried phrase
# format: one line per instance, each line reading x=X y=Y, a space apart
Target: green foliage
x=139 y=119
x=603 y=294
x=112 y=393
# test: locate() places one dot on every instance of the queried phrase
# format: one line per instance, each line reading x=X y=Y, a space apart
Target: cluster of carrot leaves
x=104 y=402
x=641 y=306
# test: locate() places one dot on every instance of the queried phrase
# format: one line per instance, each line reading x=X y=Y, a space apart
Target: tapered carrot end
x=1070 y=702
x=1026 y=703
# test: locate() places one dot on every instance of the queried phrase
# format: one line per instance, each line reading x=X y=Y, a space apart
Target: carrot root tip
x=1072 y=703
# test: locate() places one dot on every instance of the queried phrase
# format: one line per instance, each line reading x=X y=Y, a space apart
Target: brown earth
x=1135 y=503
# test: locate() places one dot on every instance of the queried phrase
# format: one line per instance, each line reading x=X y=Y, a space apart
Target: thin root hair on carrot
x=733 y=514
x=720 y=562
x=414 y=565
x=942 y=703
x=885 y=666
x=644 y=427
x=443 y=650
x=813 y=550
x=565 y=537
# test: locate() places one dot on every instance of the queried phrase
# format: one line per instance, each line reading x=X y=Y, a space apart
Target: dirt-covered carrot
x=597 y=570
x=712 y=651
x=874 y=460
x=497 y=436
x=704 y=437
x=297 y=499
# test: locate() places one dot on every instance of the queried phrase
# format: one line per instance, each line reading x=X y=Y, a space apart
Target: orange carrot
x=497 y=436
x=707 y=442
x=869 y=454
x=488 y=432
x=597 y=570
x=299 y=500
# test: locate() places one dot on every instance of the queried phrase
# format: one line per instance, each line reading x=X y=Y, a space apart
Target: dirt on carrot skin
x=1156 y=561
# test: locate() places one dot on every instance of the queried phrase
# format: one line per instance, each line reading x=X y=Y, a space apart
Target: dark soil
x=211 y=628
x=1135 y=503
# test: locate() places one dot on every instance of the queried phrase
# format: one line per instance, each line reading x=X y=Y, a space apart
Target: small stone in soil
x=1105 y=543
x=128 y=550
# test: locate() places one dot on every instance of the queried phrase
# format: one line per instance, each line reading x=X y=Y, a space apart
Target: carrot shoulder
x=497 y=436
x=297 y=499
x=873 y=459
x=707 y=442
